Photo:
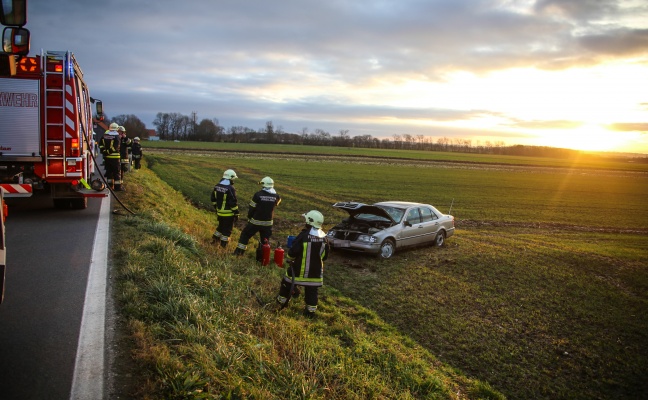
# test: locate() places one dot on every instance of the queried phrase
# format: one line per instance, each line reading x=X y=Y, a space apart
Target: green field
x=581 y=160
x=542 y=292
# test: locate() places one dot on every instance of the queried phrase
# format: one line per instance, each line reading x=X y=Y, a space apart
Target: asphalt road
x=48 y=259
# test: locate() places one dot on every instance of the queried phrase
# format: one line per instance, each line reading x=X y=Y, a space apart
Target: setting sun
x=590 y=137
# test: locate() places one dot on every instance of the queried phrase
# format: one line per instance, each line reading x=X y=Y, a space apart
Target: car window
x=427 y=214
x=413 y=216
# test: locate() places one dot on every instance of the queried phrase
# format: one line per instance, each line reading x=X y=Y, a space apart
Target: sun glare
x=588 y=137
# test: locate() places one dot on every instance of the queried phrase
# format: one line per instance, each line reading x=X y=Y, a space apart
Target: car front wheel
x=439 y=240
x=387 y=249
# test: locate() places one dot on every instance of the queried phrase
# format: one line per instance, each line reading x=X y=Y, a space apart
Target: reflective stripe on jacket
x=262 y=207
x=224 y=199
x=109 y=145
x=309 y=251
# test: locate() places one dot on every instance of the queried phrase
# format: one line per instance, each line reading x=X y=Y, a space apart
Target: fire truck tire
x=79 y=204
x=61 y=204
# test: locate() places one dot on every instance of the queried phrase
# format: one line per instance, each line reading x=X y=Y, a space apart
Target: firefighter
x=223 y=198
x=137 y=153
x=126 y=143
x=109 y=146
x=306 y=264
x=260 y=215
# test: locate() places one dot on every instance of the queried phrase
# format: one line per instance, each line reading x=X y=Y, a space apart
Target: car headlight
x=331 y=233
x=367 y=239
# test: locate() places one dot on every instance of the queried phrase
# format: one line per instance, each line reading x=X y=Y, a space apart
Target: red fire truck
x=46 y=130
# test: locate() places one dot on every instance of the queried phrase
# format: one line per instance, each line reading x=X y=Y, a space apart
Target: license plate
x=343 y=243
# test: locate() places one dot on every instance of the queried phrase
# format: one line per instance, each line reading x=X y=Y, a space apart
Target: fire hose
x=103 y=178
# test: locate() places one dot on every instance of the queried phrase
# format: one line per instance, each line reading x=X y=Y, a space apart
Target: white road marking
x=88 y=381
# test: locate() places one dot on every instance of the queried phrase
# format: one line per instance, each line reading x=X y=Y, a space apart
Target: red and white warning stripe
x=16 y=190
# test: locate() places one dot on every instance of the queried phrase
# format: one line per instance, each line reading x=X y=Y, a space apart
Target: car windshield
x=395 y=213
x=371 y=217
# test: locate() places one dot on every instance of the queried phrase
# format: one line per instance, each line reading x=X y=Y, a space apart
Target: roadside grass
x=540 y=298
x=202 y=329
x=533 y=317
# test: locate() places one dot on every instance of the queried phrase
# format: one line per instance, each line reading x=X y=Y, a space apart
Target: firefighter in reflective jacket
x=260 y=217
x=223 y=198
x=306 y=263
x=109 y=146
x=125 y=146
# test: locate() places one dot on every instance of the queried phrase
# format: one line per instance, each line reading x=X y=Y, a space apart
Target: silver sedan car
x=381 y=228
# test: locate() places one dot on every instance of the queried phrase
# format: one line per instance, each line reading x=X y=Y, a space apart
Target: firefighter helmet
x=114 y=126
x=229 y=174
x=121 y=129
x=136 y=139
x=314 y=218
x=97 y=185
x=267 y=182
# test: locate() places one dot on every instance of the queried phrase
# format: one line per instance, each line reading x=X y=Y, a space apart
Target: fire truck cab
x=46 y=130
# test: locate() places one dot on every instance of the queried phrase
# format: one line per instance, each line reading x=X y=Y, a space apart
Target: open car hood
x=354 y=209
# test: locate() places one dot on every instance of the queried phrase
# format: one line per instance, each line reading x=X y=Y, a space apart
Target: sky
x=560 y=73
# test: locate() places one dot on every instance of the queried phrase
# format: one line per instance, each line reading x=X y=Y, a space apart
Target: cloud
x=314 y=63
x=620 y=42
x=629 y=127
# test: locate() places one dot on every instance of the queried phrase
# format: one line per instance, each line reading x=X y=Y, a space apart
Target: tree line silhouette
x=176 y=126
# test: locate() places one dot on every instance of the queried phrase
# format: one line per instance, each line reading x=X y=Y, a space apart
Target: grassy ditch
x=542 y=293
x=201 y=327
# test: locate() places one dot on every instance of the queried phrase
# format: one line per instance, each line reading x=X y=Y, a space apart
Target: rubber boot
x=224 y=243
x=238 y=251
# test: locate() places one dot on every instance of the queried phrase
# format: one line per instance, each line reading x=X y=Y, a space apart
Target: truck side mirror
x=99 y=109
x=15 y=40
x=13 y=12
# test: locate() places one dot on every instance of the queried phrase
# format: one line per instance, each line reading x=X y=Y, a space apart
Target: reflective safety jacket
x=109 y=144
x=137 y=150
x=223 y=198
x=262 y=207
x=126 y=142
x=309 y=250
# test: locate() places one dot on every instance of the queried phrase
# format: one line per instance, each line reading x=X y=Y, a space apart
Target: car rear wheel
x=387 y=249
x=439 y=240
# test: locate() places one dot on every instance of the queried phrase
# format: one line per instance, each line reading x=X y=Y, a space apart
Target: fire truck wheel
x=61 y=203
x=79 y=204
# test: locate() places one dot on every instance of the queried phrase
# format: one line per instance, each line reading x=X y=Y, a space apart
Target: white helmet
x=121 y=129
x=314 y=218
x=114 y=126
x=136 y=138
x=229 y=174
x=267 y=182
